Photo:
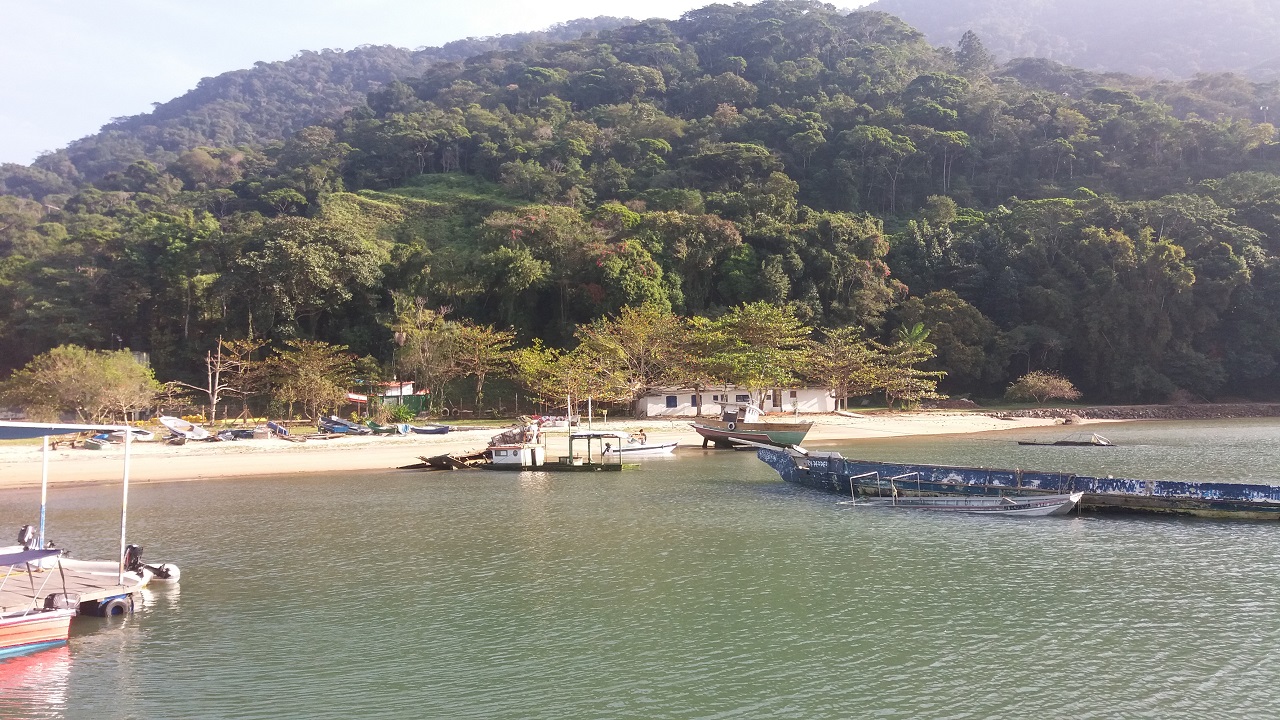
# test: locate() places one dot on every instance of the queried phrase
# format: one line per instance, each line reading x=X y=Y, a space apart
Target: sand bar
x=157 y=462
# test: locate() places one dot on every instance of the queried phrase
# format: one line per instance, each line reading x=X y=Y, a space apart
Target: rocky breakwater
x=1207 y=411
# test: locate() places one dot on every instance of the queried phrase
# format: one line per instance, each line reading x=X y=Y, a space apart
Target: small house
x=686 y=402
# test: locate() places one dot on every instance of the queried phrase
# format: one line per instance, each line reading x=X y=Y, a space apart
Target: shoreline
x=154 y=462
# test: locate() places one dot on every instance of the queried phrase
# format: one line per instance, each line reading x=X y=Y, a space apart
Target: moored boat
x=595 y=459
x=1077 y=440
x=1002 y=505
x=39 y=626
x=831 y=472
x=744 y=423
x=638 y=445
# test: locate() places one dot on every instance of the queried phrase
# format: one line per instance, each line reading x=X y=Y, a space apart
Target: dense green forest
x=1032 y=216
x=267 y=102
x=1161 y=38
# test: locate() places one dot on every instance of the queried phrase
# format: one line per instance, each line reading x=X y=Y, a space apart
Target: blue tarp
x=26 y=431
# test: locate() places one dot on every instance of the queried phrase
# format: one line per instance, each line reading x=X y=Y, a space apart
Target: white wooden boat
x=1004 y=505
x=182 y=428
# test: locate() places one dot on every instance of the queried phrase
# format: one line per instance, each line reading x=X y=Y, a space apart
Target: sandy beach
x=157 y=462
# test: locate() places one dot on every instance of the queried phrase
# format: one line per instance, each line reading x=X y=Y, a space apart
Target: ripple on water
x=714 y=592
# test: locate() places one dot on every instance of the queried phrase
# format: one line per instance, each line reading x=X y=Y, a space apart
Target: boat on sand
x=744 y=423
x=182 y=428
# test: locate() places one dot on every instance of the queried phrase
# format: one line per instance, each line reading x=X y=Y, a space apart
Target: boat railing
x=853 y=486
x=893 y=486
x=35 y=592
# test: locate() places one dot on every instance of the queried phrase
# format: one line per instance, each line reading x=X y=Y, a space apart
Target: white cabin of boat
x=524 y=455
x=740 y=414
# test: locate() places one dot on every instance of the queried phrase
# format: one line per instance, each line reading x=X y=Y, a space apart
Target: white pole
x=124 y=502
x=590 y=415
x=44 y=486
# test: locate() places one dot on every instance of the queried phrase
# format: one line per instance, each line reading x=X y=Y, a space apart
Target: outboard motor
x=132 y=558
x=27 y=537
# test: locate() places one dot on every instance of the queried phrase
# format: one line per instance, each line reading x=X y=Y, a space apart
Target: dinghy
x=183 y=429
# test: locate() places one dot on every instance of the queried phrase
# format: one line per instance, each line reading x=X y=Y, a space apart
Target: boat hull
x=831 y=472
x=722 y=433
x=430 y=429
x=1001 y=506
x=182 y=428
x=33 y=631
x=642 y=450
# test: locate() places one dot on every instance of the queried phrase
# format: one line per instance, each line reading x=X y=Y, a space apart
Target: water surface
x=698 y=587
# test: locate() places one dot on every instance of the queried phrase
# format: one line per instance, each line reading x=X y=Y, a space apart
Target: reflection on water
x=695 y=588
x=35 y=685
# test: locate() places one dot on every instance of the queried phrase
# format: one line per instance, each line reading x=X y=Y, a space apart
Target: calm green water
x=698 y=587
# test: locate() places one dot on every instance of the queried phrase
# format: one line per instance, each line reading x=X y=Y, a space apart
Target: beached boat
x=406 y=429
x=1003 y=505
x=183 y=429
x=1076 y=440
x=97 y=442
x=638 y=445
x=139 y=435
x=43 y=624
x=335 y=424
x=832 y=472
x=378 y=429
x=744 y=423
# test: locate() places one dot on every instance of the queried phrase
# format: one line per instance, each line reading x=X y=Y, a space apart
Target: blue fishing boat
x=335 y=424
x=832 y=472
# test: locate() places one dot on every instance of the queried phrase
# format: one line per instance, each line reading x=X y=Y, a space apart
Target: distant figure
x=642 y=438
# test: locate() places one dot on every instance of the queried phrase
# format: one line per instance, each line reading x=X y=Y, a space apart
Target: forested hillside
x=271 y=101
x=783 y=152
x=1159 y=38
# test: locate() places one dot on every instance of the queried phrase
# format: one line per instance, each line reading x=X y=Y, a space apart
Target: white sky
x=68 y=66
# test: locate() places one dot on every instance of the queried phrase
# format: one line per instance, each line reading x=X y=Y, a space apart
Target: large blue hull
x=834 y=473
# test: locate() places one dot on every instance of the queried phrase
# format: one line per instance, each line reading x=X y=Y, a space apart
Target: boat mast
x=124 y=502
x=44 y=486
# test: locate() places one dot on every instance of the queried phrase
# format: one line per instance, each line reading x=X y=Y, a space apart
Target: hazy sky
x=68 y=66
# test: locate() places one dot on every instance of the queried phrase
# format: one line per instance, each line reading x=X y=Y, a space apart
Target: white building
x=683 y=402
